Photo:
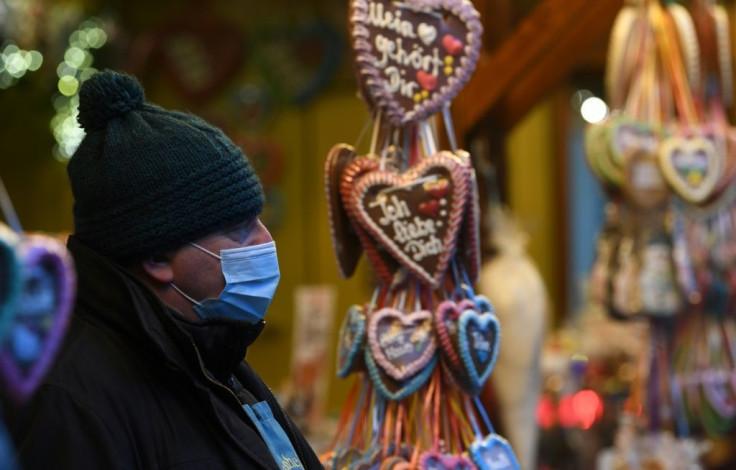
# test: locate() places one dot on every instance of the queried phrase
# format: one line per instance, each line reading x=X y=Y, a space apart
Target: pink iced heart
x=401 y=344
x=452 y=44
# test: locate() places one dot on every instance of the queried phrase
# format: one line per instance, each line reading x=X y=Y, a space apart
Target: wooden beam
x=592 y=28
x=554 y=27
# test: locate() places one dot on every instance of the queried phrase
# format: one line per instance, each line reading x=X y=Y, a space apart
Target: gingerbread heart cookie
x=401 y=344
x=479 y=338
x=393 y=389
x=494 y=453
x=345 y=241
x=42 y=314
x=383 y=263
x=350 y=342
x=416 y=215
x=691 y=166
x=413 y=57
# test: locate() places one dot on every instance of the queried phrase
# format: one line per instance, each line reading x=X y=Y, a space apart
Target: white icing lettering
x=479 y=342
x=396 y=352
x=390 y=50
x=421 y=249
x=418 y=228
x=388 y=20
x=392 y=210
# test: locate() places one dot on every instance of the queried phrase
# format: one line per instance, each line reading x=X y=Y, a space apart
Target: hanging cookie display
x=422 y=349
x=667 y=255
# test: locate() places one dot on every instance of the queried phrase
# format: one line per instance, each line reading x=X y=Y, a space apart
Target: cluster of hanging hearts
x=36 y=300
x=424 y=346
x=667 y=159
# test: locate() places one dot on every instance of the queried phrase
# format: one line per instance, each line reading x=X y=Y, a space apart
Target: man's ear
x=158 y=269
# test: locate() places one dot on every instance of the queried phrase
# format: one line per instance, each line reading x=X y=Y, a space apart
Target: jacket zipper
x=283 y=413
x=217 y=384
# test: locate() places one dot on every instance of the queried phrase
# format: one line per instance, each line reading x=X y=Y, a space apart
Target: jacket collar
x=110 y=294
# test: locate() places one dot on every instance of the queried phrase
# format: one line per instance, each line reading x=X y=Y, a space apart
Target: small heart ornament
x=350 y=343
x=494 y=453
x=479 y=338
x=42 y=314
x=691 y=166
x=434 y=460
x=446 y=317
x=393 y=389
x=387 y=205
x=345 y=241
x=627 y=135
x=413 y=57
x=446 y=325
x=401 y=344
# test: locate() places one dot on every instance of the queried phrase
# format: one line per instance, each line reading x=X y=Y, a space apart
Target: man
x=175 y=273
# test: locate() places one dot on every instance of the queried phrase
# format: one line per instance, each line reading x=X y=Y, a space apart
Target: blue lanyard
x=273 y=434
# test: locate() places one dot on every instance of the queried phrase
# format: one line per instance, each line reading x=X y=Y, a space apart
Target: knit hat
x=146 y=180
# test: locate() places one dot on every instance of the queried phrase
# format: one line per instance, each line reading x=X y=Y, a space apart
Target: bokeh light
x=72 y=72
x=15 y=62
x=594 y=110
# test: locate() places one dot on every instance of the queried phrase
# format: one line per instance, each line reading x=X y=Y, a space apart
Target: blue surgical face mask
x=251 y=277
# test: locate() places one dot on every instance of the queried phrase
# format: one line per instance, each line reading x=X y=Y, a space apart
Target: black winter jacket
x=136 y=387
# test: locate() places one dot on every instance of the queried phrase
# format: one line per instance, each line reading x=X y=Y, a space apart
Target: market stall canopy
x=547 y=45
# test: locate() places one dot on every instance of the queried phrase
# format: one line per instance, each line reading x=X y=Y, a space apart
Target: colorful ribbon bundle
x=667 y=160
x=423 y=347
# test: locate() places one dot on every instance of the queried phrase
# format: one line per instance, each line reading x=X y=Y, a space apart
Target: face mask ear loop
x=184 y=295
x=201 y=248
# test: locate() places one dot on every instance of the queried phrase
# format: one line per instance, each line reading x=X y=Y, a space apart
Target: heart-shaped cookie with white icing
x=42 y=314
x=413 y=57
x=350 y=342
x=415 y=215
x=383 y=263
x=691 y=166
x=479 y=338
x=402 y=344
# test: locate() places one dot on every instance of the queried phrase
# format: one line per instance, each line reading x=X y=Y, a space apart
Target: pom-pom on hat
x=146 y=180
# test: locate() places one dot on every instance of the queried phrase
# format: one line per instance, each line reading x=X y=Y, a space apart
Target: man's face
x=200 y=274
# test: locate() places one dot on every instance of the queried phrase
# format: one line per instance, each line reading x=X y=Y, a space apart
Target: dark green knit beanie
x=146 y=180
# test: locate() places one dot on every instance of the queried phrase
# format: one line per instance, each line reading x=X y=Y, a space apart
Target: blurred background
x=278 y=77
